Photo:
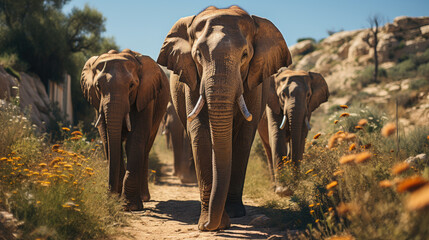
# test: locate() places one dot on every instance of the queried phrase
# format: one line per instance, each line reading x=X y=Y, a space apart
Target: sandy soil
x=173 y=213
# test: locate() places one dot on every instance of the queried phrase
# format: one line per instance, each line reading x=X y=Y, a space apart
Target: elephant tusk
x=243 y=108
x=197 y=109
x=128 y=122
x=307 y=123
x=282 y=125
x=98 y=120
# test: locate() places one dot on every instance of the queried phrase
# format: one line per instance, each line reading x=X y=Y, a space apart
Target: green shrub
x=306 y=38
x=366 y=76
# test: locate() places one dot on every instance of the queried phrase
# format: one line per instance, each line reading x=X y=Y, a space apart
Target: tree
x=372 y=40
x=52 y=43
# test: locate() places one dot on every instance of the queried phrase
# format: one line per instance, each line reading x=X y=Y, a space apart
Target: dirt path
x=173 y=214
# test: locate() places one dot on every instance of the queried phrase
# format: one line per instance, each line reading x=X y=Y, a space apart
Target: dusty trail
x=174 y=210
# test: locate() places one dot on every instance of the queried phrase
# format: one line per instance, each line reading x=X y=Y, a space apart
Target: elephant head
x=221 y=54
x=116 y=83
x=296 y=94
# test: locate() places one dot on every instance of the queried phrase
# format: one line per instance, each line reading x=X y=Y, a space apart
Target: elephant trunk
x=296 y=115
x=114 y=121
x=220 y=105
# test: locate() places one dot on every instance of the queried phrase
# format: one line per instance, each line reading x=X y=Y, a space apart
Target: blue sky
x=143 y=25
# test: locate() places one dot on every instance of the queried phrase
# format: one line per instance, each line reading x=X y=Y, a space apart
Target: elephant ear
x=87 y=83
x=273 y=99
x=320 y=91
x=151 y=78
x=176 y=54
x=270 y=52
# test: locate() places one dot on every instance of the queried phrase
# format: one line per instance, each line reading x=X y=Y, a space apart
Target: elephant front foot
x=145 y=197
x=133 y=206
x=235 y=209
x=284 y=191
x=224 y=224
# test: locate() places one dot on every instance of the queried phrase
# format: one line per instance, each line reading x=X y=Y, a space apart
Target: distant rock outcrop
x=344 y=55
x=31 y=92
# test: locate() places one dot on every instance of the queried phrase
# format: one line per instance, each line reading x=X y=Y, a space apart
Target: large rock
x=32 y=95
x=339 y=38
x=358 y=47
x=7 y=84
x=406 y=23
x=387 y=42
x=425 y=31
x=302 y=47
x=309 y=61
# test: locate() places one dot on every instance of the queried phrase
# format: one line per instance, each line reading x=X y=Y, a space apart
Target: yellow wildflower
x=66 y=129
x=388 y=129
x=309 y=171
x=345 y=114
x=317 y=136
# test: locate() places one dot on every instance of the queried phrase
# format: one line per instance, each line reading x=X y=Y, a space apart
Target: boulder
x=406 y=23
x=425 y=31
x=302 y=47
x=417 y=160
x=309 y=61
x=358 y=47
x=339 y=38
x=7 y=84
x=387 y=42
x=32 y=95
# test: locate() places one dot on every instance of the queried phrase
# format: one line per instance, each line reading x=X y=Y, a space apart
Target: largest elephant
x=219 y=59
x=129 y=92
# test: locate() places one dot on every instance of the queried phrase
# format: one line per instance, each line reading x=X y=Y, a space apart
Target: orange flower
x=362 y=157
x=367 y=146
x=317 y=136
x=358 y=127
x=344 y=114
x=344 y=106
x=388 y=129
x=332 y=185
x=330 y=193
x=385 y=184
x=55 y=147
x=344 y=237
x=362 y=122
x=427 y=137
x=347 y=159
x=337 y=173
x=352 y=146
x=336 y=121
x=76 y=133
x=411 y=184
x=400 y=167
x=66 y=129
x=418 y=199
x=309 y=171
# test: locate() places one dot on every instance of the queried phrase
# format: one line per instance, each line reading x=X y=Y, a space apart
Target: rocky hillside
x=346 y=61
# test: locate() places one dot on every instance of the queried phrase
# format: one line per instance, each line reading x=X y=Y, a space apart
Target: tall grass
x=349 y=185
x=58 y=191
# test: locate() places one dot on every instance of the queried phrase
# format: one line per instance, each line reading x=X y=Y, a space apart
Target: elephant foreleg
x=264 y=135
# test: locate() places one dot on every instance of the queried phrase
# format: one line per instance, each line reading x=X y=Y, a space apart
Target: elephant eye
x=244 y=56
x=131 y=85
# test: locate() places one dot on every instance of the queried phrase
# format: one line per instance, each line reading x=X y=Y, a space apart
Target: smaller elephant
x=130 y=93
x=293 y=96
x=184 y=167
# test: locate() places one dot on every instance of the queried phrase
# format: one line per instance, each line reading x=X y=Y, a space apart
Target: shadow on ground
x=187 y=212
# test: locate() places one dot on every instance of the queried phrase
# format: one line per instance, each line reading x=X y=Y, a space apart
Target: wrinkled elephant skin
x=175 y=133
x=130 y=93
x=219 y=60
x=292 y=97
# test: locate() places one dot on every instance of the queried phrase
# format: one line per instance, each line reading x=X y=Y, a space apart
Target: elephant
x=130 y=93
x=219 y=60
x=184 y=167
x=293 y=96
